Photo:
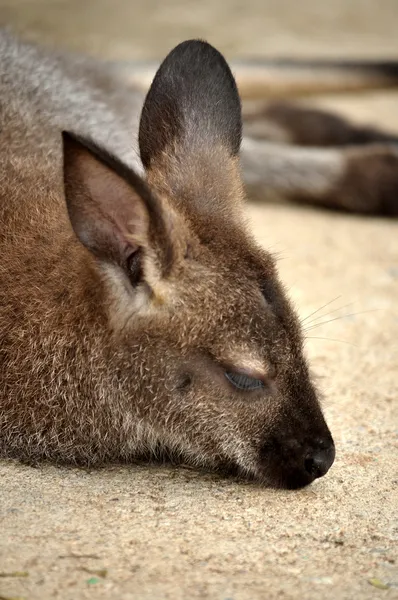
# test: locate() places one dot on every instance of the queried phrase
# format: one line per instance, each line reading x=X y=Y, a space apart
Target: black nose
x=319 y=460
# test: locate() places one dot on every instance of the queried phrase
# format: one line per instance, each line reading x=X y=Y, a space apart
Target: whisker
x=313 y=337
x=340 y=317
x=329 y=313
x=320 y=308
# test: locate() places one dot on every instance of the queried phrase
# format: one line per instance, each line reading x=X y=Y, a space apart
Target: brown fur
x=369 y=184
x=125 y=298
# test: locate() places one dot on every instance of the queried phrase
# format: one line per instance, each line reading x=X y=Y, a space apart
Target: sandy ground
x=144 y=532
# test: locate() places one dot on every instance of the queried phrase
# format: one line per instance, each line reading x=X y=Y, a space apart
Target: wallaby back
x=278 y=78
x=138 y=315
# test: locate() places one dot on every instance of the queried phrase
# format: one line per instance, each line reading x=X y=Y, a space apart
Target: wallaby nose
x=319 y=460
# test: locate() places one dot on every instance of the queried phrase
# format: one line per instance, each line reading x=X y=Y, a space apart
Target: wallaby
x=138 y=316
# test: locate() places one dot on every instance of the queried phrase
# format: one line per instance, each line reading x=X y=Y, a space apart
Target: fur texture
x=127 y=295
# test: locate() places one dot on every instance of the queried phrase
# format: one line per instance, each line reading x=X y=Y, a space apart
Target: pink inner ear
x=107 y=214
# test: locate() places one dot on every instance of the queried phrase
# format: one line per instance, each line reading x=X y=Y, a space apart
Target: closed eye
x=243 y=382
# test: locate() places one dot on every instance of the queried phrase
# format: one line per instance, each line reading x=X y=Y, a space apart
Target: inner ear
x=192 y=103
x=113 y=212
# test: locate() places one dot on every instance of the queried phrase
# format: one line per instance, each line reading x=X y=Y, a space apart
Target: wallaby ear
x=112 y=210
x=193 y=104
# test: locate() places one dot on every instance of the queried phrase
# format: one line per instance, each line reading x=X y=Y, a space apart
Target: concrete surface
x=144 y=532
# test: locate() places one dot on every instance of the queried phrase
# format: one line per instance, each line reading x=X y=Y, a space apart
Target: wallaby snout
x=319 y=460
x=298 y=463
x=138 y=315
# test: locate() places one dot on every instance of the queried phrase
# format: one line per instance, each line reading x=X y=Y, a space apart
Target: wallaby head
x=198 y=338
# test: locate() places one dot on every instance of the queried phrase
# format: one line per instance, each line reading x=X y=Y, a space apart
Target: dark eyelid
x=243 y=382
x=247 y=372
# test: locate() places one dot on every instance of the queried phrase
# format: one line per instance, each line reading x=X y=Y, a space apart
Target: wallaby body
x=137 y=314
